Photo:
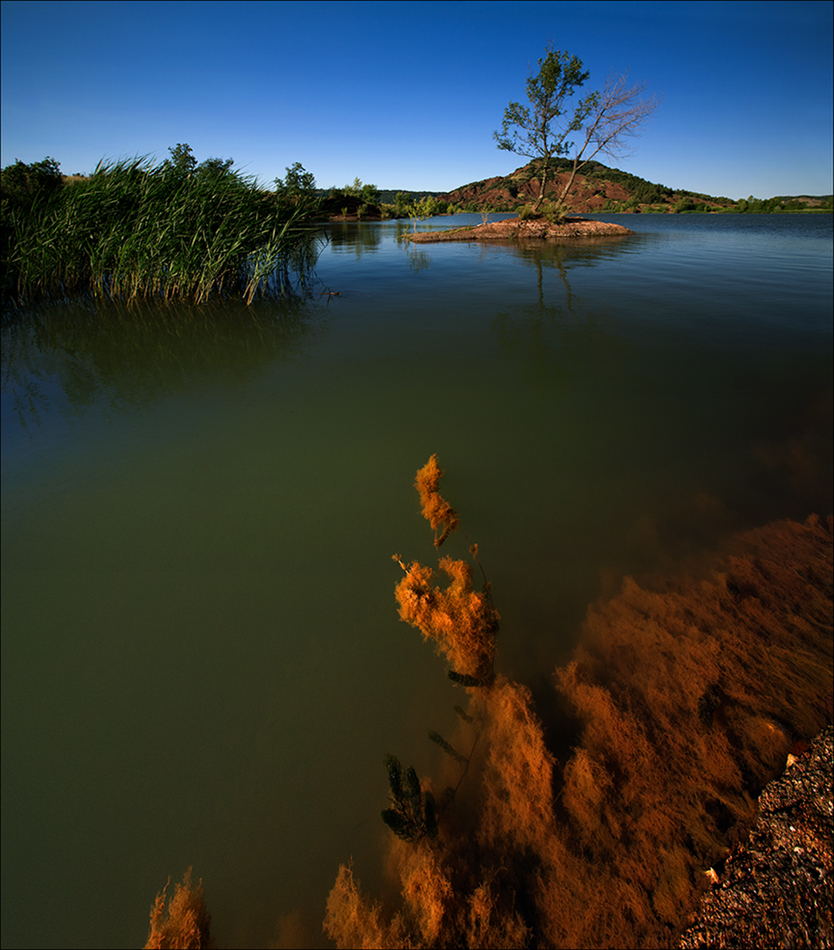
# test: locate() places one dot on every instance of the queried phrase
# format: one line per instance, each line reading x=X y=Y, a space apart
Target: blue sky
x=408 y=94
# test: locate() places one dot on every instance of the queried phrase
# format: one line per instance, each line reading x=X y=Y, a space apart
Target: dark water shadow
x=545 y=334
x=109 y=356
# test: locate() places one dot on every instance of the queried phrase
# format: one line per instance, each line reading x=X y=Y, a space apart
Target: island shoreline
x=514 y=229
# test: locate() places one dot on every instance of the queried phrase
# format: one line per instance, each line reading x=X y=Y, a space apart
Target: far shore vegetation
x=188 y=231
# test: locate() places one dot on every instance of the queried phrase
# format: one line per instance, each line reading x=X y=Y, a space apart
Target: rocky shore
x=777 y=888
x=513 y=229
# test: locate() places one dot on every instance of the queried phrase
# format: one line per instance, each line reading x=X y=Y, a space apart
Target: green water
x=202 y=663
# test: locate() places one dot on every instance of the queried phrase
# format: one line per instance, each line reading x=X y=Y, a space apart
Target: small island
x=516 y=229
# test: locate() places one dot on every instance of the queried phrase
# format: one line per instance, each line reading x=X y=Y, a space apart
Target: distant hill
x=600 y=188
x=809 y=201
x=389 y=196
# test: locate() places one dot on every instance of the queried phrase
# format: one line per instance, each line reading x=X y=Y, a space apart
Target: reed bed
x=135 y=230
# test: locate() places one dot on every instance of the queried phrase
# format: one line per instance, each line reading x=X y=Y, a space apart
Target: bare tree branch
x=605 y=120
x=621 y=111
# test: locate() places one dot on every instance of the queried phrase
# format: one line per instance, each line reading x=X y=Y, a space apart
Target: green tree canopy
x=182 y=158
x=20 y=183
x=602 y=120
x=297 y=183
x=215 y=167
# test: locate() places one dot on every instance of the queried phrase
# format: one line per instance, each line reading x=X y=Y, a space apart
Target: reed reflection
x=107 y=354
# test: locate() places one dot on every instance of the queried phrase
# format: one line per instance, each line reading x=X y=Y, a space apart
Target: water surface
x=202 y=662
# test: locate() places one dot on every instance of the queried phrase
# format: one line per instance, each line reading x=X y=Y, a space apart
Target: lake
x=201 y=658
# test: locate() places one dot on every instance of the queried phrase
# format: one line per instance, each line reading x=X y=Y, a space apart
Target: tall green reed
x=135 y=230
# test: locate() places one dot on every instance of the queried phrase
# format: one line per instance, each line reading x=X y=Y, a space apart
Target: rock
x=777 y=889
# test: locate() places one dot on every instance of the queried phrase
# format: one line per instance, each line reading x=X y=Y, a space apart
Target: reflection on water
x=543 y=337
x=417 y=260
x=200 y=507
x=103 y=353
x=356 y=239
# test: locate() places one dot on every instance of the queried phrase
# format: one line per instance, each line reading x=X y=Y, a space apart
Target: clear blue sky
x=408 y=94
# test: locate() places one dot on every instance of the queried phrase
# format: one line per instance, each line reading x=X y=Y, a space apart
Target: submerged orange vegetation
x=185 y=923
x=681 y=702
x=462 y=621
x=436 y=510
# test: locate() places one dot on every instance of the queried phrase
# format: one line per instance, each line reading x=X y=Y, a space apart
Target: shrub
x=554 y=211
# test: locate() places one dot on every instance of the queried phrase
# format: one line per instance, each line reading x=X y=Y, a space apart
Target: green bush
x=22 y=184
x=554 y=211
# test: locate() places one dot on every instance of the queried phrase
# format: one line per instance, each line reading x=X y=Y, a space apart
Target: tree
x=184 y=164
x=20 y=183
x=542 y=134
x=369 y=194
x=182 y=158
x=603 y=119
x=215 y=168
x=426 y=207
x=400 y=204
x=297 y=190
x=366 y=194
x=299 y=183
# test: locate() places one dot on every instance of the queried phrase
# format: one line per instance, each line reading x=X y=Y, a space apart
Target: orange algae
x=185 y=924
x=680 y=704
x=436 y=510
x=461 y=621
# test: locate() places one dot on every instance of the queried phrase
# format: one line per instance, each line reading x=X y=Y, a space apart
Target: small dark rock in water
x=777 y=889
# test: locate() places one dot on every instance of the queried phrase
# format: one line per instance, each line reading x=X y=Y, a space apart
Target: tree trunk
x=542 y=183
x=566 y=189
